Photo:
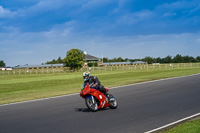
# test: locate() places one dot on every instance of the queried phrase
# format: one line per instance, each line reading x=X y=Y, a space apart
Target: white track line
x=39 y=99
x=109 y=88
x=173 y=123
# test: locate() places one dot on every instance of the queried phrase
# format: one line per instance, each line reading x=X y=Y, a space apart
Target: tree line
x=168 y=59
x=75 y=58
x=58 y=61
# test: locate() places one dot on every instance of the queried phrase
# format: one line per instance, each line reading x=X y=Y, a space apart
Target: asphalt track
x=142 y=107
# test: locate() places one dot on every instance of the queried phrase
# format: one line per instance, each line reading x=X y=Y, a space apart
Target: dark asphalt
x=142 y=107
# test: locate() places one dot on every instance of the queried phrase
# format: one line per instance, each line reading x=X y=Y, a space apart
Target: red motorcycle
x=95 y=100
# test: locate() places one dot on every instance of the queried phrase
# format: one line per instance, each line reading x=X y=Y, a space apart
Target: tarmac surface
x=142 y=107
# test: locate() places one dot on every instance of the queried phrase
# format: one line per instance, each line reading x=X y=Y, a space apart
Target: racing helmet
x=86 y=76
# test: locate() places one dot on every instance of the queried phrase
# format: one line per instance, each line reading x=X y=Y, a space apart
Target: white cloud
x=43 y=6
x=169 y=14
x=93 y=4
x=170 y=9
x=47 y=5
x=45 y=46
x=5 y=13
x=177 y=5
x=195 y=9
x=135 y=17
x=11 y=28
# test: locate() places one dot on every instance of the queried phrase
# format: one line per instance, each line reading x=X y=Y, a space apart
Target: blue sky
x=36 y=31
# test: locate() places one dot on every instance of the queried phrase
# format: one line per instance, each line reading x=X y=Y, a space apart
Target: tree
x=178 y=59
x=127 y=60
x=59 y=60
x=187 y=59
x=198 y=58
x=74 y=58
x=158 y=60
x=119 y=59
x=149 y=60
x=2 y=64
x=168 y=59
x=105 y=59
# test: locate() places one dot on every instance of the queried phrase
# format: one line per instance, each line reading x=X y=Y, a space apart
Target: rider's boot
x=107 y=96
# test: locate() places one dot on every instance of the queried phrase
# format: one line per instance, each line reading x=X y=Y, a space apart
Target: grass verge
x=16 y=88
x=192 y=126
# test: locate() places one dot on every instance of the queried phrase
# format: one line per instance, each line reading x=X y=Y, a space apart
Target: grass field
x=187 y=127
x=16 y=88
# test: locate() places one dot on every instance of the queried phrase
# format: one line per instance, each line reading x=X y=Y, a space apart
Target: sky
x=36 y=31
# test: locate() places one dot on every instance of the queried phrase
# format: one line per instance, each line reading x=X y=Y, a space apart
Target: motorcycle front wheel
x=113 y=102
x=91 y=104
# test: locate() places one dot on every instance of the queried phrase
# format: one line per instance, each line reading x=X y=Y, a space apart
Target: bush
x=92 y=64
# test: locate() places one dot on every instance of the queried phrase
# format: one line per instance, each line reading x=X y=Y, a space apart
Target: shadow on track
x=82 y=110
x=87 y=110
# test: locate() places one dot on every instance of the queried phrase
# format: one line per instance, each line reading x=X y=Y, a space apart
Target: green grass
x=15 y=88
x=187 y=127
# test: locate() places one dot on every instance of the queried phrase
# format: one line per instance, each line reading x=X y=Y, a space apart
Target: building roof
x=90 y=57
x=35 y=66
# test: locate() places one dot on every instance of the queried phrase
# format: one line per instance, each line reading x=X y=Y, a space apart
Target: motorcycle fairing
x=87 y=92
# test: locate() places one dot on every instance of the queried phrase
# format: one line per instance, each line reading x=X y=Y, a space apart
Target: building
x=91 y=60
x=5 y=68
x=39 y=66
x=94 y=61
x=124 y=63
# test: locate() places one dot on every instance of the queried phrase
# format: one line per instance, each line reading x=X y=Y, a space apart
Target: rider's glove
x=94 y=85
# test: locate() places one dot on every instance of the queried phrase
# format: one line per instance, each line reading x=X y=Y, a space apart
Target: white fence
x=143 y=67
x=104 y=68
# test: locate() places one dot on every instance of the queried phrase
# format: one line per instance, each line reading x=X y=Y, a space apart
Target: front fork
x=92 y=99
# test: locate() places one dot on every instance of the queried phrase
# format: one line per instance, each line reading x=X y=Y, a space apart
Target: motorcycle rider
x=94 y=82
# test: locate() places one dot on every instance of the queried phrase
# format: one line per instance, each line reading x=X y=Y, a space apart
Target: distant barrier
x=143 y=67
x=103 y=68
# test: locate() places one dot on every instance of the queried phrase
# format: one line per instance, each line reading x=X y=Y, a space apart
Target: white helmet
x=86 y=76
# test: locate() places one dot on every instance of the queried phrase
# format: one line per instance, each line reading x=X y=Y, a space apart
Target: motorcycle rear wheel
x=91 y=106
